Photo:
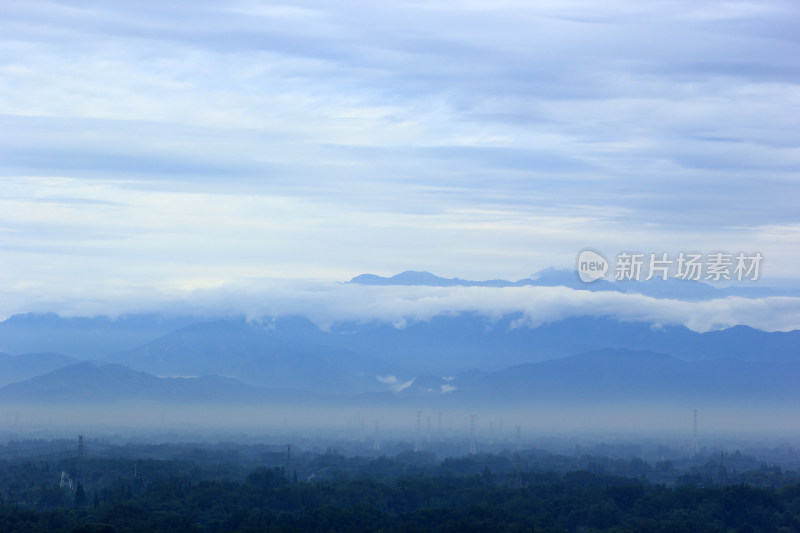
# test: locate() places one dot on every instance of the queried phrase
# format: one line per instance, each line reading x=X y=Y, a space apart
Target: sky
x=157 y=154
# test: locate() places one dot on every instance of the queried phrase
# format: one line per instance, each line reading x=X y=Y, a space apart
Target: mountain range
x=255 y=355
x=602 y=377
x=458 y=357
x=444 y=344
x=688 y=290
x=84 y=337
x=15 y=368
x=90 y=382
x=621 y=376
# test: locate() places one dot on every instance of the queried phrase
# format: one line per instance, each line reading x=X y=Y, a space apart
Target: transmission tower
x=65 y=482
x=79 y=463
x=472 y=445
x=418 y=442
x=376 y=443
x=288 y=461
x=694 y=451
x=723 y=473
x=428 y=428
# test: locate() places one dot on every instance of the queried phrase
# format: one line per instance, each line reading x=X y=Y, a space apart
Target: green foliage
x=408 y=492
x=267 y=501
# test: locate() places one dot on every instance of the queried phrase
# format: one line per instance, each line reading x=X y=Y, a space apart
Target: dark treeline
x=271 y=500
x=45 y=486
x=27 y=464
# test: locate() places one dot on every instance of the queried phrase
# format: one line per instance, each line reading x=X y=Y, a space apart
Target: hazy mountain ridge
x=619 y=375
x=253 y=354
x=93 y=382
x=454 y=343
x=491 y=358
x=294 y=352
x=604 y=377
x=286 y=348
x=84 y=337
x=15 y=368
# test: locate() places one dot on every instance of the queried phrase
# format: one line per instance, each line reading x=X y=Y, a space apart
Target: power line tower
x=428 y=428
x=518 y=443
x=418 y=441
x=65 y=482
x=473 y=448
x=288 y=468
x=79 y=462
x=723 y=472
x=376 y=443
x=518 y=474
x=694 y=451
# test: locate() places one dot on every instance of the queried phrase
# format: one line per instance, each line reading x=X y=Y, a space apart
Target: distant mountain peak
x=408 y=277
x=547 y=277
x=424 y=278
x=565 y=277
x=92 y=382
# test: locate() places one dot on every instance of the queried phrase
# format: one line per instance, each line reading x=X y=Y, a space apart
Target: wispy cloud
x=327 y=303
x=176 y=146
x=395 y=385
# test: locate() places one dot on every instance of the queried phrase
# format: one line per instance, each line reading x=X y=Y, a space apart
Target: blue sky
x=163 y=148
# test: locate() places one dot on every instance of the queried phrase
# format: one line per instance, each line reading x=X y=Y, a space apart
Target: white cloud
x=154 y=148
x=327 y=303
x=395 y=385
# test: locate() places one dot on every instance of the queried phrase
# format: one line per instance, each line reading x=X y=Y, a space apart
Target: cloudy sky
x=168 y=149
